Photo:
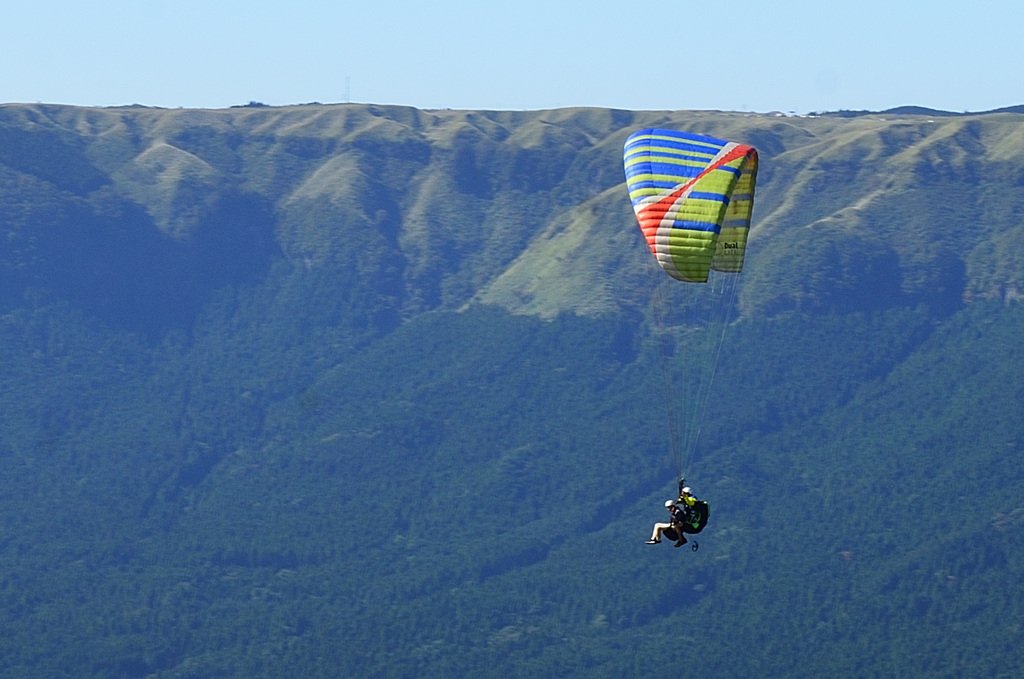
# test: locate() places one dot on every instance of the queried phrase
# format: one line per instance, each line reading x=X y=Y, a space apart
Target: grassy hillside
x=370 y=391
x=430 y=209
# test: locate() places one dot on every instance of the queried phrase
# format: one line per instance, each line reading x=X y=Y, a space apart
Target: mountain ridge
x=304 y=167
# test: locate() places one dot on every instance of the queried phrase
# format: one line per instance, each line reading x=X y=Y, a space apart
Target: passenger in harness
x=677 y=516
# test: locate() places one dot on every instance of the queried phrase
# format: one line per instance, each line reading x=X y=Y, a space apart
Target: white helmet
x=686 y=490
x=669 y=503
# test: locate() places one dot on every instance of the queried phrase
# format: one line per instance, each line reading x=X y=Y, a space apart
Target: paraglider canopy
x=692 y=196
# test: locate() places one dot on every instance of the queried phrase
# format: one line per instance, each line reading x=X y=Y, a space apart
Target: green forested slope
x=368 y=391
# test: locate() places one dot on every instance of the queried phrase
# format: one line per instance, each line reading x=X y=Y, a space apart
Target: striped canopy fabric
x=693 y=197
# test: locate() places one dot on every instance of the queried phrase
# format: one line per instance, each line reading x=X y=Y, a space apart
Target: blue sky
x=757 y=55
